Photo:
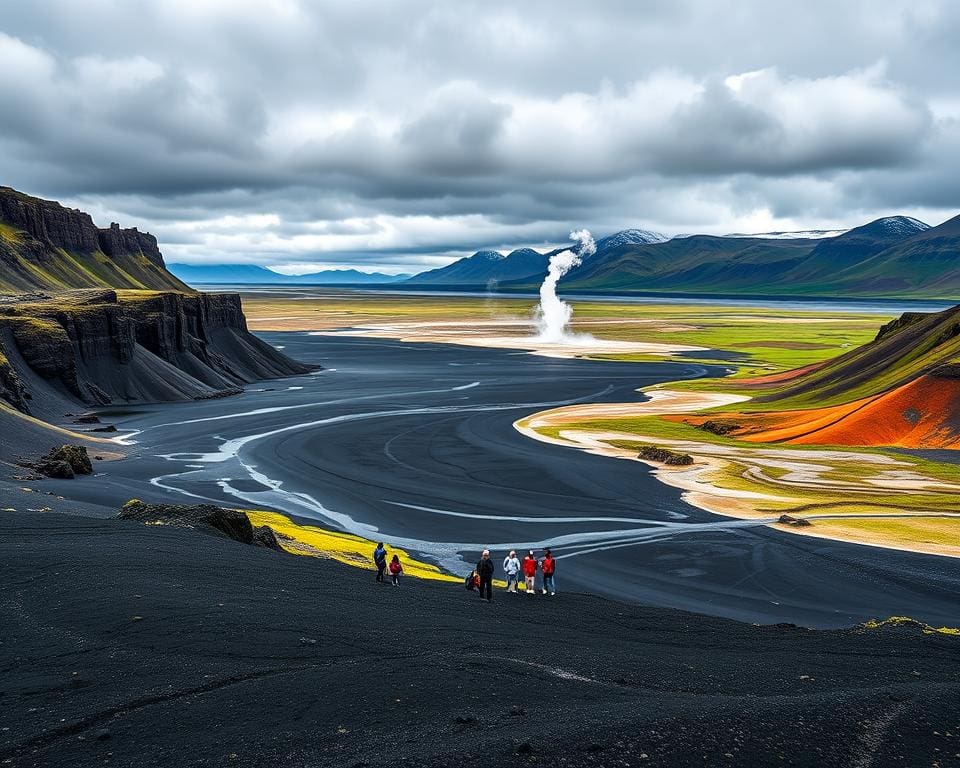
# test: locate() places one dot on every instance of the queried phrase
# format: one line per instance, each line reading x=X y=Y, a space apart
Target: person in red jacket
x=530 y=572
x=395 y=570
x=548 y=567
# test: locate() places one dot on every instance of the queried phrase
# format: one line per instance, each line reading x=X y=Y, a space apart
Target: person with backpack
x=395 y=570
x=530 y=573
x=548 y=567
x=472 y=582
x=380 y=560
x=485 y=572
x=511 y=566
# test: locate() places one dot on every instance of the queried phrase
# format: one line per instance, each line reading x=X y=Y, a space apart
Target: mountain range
x=487 y=269
x=891 y=256
x=46 y=246
x=244 y=274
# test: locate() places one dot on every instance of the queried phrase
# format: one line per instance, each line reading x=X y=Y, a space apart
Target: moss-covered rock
x=664 y=456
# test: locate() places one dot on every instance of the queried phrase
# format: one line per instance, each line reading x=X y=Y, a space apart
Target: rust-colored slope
x=924 y=413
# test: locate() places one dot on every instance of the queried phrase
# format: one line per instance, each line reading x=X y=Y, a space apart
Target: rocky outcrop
x=663 y=456
x=97 y=348
x=48 y=222
x=232 y=523
x=796 y=522
x=116 y=242
x=64 y=462
x=46 y=246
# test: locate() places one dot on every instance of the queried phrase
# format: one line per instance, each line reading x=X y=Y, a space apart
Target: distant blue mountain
x=524 y=265
x=249 y=274
x=487 y=267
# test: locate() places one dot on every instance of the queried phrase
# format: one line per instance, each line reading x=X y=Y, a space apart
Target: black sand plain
x=133 y=645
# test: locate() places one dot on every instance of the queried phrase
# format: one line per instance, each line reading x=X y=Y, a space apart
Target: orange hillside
x=924 y=413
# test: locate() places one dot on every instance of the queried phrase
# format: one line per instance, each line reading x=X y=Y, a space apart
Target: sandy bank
x=762 y=483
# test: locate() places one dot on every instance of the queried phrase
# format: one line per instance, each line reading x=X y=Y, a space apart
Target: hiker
x=472 y=582
x=395 y=570
x=511 y=565
x=380 y=560
x=548 y=567
x=485 y=572
x=530 y=572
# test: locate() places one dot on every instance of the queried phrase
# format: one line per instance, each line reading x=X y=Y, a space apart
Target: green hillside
x=45 y=246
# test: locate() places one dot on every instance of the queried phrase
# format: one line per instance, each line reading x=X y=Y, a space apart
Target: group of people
x=481 y=579
x=380 y=560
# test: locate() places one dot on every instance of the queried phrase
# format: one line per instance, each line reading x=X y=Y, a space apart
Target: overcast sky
x=400 y=135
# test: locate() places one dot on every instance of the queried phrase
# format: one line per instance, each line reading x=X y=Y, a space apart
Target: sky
x=398 y=136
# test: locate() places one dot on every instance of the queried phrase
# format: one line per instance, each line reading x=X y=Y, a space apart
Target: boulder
x=721 y=428
x=64 y=462
x=60 y=470
x=796 y=522
x=663 y=456
x=263 y=536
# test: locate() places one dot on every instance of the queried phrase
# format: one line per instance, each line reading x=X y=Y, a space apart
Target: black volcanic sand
x=430 y=427
x=133 y=645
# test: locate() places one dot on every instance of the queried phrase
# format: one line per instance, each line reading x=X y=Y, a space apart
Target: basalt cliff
x=90 y=317
x=45 y=246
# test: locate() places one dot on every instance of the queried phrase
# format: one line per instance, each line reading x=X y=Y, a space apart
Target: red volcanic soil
x=924 y=413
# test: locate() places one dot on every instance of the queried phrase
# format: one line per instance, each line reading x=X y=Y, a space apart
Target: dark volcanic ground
x=131 y=645
x=414 y=443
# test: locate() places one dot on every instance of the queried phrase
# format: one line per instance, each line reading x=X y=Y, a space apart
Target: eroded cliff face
x=98 y=348
x=45 y=246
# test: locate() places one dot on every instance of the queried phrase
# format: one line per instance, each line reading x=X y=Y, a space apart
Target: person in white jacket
x=511 y=566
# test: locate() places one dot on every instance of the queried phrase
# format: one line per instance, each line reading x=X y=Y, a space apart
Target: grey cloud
x=402 y=133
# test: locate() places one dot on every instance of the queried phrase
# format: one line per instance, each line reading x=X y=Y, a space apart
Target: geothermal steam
x=553 y=315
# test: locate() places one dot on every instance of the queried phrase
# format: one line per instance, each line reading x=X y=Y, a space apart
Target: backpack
x=547 y=566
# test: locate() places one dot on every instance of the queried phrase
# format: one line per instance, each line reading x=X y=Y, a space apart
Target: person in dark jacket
x=380 y=560
x=485 y=572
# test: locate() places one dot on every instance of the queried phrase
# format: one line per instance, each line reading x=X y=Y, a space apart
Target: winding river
x=414 y=444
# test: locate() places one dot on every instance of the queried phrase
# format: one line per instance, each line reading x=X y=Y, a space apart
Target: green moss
x=10 y=235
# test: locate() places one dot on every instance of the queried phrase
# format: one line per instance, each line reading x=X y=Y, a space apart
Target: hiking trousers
x=486 y=583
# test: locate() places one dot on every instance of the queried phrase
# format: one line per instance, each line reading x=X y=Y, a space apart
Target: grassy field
x=760 y=341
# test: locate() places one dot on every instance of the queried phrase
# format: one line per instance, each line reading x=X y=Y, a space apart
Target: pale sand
x=660 y=402
x=802 y=470
x=483 y=335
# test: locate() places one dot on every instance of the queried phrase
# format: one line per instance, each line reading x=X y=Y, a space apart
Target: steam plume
x=553 y=315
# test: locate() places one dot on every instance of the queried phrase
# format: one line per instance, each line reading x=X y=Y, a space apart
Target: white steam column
x=553 y=315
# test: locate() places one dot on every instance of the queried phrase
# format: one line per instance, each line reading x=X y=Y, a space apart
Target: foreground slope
x=45 y=246
x=153 y=646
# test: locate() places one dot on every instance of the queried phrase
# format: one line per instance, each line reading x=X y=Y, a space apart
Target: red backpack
x=529 y=566
x=547 y=566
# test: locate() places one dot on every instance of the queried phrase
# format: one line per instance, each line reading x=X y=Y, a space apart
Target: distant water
x=864 y=306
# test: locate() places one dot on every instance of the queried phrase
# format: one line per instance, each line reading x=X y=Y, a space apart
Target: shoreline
x=693 y=482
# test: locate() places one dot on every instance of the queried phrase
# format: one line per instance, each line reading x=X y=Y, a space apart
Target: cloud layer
x=399 y=135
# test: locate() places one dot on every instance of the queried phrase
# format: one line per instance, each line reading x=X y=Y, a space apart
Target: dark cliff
x=98 y=348
x=45 y=246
